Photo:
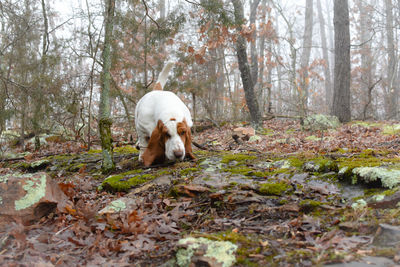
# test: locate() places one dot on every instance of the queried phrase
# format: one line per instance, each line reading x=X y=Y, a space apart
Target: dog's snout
x=178 y=153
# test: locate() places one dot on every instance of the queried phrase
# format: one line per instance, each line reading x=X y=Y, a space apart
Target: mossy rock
x=188 y=171
x=321 y=165
x=20 y=165
x=320 y=122
x=75 y=167
x=222 y=253
x=125 y=150
x=239 y=158
x=125 y=181
x=276 y=189
x=389 y=178
x=39 y=164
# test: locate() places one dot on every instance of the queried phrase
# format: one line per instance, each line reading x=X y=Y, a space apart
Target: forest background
x=51 y=61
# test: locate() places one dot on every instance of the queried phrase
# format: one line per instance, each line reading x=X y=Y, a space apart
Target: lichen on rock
x=320 y=122
x=220 y=251
x=388 y=177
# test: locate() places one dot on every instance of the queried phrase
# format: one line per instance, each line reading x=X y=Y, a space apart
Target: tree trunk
x=253 y=46
x=261 y=54
x=330 y=34
x=38 y=94
x=244 y=68
x=104 y=109
x=391 y=92
x=366 y=60
x=305 y=58
x=327 y=71
x=341 y=86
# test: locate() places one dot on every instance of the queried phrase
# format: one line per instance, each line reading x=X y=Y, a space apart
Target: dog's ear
x=155 y=150
x=188 y=142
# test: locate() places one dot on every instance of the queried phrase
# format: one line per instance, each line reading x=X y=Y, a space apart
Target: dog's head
x=171 y=140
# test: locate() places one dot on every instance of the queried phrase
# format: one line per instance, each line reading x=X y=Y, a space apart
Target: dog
x=163 y=125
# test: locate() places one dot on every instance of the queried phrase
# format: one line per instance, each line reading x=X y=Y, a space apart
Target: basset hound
x=163 y=125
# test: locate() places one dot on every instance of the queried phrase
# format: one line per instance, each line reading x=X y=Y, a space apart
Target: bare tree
x=244 y=68
x=105 y=121
x=341 y=86
x=391 y=89
x=305 y=58
x=327 y=71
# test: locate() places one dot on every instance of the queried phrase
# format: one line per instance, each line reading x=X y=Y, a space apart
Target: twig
x=147 y=14
x=199 y=146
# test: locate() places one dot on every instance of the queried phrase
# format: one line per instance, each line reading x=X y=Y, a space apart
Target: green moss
x=243 y=170
x=308 y=205
x=126 y=150
x=276 y=189
x=75 y=167
x=267 y=132
x=40 y=164
x=240 y=158
x=296 y=162
x=298 y=254
x=321 y=165
x=94 y=151
x=385 y=252
x=391 y=129
x=125 y=181
x=164 y=172
x=233 y=237
x=187 y=171
x=366 y=124
x=21 y=165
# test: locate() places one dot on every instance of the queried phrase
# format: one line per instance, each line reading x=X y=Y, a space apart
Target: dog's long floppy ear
x=188 y=143
x=155 y=150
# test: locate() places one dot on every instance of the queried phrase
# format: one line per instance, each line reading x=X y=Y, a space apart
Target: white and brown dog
x=163 y=124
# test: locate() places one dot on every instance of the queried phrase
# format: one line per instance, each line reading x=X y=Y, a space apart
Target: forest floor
x=286 y=198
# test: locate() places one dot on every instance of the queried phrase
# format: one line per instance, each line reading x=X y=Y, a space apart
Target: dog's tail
x=162 y=78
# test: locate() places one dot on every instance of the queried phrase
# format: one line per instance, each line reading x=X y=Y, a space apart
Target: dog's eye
x=182 y=133
x=167 y=135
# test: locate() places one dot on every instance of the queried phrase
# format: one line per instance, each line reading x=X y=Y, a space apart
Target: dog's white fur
x=164 y=106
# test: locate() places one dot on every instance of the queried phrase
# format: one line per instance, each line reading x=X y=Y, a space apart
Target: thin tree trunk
x=305 y=58
x=105 y=121
x=253 y=45
x=244 y=68
x=327 y=71
x=341 y=93
x=391 y=94
x=366 y=60
x=331 y=41
x=260 y=84
x=43 y=67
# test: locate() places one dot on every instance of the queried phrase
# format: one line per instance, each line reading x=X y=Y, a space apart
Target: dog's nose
x=178 y=153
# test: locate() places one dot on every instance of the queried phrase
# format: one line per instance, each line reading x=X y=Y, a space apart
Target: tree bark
x=253 y=46
x=366 y=59
x=244 y=68
x=341 y=86
x=327 y=71
x=391 y=92
x=305 y=58
x=105 y=121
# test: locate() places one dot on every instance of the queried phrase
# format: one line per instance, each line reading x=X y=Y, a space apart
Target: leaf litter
x=310 y=223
